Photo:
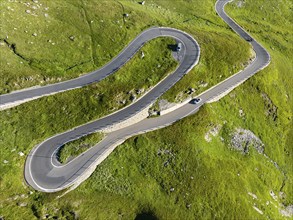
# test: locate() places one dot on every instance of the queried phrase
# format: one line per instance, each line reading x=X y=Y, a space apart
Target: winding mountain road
x=42 y=169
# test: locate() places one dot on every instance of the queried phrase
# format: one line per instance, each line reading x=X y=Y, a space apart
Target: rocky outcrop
x=243 y=139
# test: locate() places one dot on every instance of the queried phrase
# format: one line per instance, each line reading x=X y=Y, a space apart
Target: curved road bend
x=192 y=54
x=44 y=173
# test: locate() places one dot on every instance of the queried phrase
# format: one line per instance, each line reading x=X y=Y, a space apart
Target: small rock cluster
x=203 y=84
x=153 y=112
x=271 y=109
x=168 y=153
x=213 y=132
x=190 y=91
x=240 y=3
x=287 y=211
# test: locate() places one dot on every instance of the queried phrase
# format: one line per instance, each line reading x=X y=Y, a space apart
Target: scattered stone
x=190 y=91
x=46 y=15
x=288 y=211
x=20 y=153
x=188 y=206
x=240 y=4
x=213 y=132
x=273 y=195
x=139 y=91
x=2 y=44
x=153 y=112
x=28 y=11
x=126 y=15
x=286 y=95
x=282 y=195
x=132 y=97
x=166 y=163
x=72 y=38
x=35 y=34
x=191 y=177
x=23 y=196
x=172 y=189
x=142 y=3
x=252 y=195
x=123 y=102
x=142 y=55
x=203 y=84
x=35 y=1
x=271 y=108
x=258 y=210
x=22 y=204
x=241 y=113
x=5 y=161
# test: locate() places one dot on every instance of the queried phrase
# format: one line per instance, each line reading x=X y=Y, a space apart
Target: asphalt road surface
x=42 y=169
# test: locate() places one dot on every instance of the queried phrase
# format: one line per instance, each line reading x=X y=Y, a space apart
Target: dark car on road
x=196 y=101
x=179 y=46
x=247 y=38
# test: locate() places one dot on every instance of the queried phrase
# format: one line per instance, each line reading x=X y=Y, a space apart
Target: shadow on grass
x=172 y=47
x=146 y=216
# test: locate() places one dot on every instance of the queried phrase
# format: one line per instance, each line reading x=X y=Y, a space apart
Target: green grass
x=134 y=179
x=74 y=148
x=99 y=31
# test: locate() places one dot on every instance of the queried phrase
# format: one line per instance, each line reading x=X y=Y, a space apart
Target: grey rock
x=243 y=139
x=22 y=204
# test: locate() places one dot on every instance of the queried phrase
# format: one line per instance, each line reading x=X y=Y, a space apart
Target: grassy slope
x=275 y=31
x=74 y=148
x=128 y=183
